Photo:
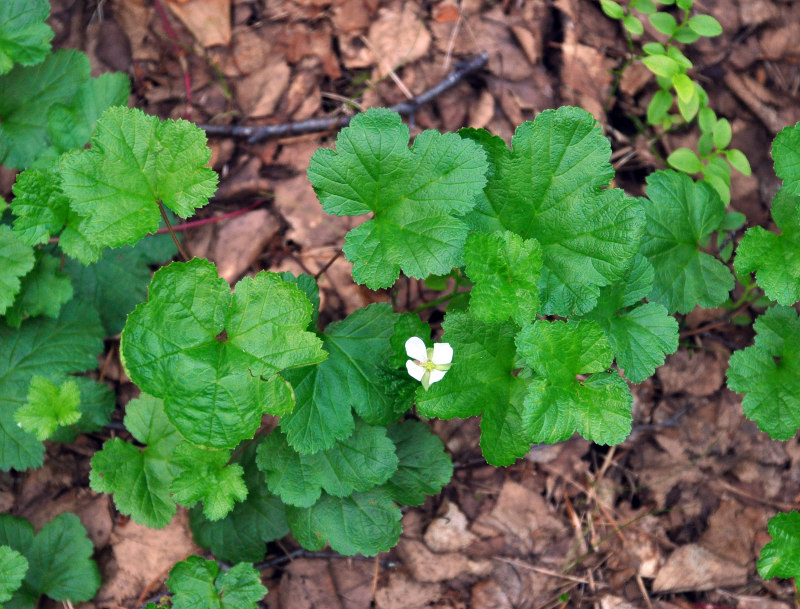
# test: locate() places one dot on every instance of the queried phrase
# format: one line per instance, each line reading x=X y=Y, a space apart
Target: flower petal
x=415 y=370
x=436 y=376
x=416 y=349
x=442 y=353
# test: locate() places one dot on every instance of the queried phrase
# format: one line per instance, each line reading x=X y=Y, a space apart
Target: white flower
x=428 y=365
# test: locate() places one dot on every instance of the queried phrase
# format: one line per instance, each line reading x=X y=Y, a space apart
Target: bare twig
x=255 y=134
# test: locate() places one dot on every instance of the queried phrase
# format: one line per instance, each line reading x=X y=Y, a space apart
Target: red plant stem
x=195 y=223
x=181 y=53
x=212 y=220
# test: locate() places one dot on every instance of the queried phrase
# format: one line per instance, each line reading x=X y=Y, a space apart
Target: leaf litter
x=618 y=527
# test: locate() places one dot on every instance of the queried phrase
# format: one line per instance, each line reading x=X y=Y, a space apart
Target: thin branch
x=171 y=231
x=255 y=134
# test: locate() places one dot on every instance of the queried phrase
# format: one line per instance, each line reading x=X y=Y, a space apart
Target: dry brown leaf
x=134 y=18
x=692 y=567
x=405 y=593
x=259 y=92
x=240 y=241
x=427 y=566
x=140 y=555
x=397 y=37
x=481 y=113
x=209 y=21
x=307 y=584
x=699 y=373
x=448 y=531
x=445 y=12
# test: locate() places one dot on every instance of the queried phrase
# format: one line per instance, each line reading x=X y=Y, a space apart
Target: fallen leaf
x=209 y=21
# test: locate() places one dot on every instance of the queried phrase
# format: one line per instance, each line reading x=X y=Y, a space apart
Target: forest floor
x=673 y=518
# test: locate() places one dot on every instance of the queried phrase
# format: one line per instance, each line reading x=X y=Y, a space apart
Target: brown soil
x=672 y=518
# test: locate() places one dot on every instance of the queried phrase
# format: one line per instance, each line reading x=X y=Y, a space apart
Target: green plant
x=671 y=67
x=557 y=277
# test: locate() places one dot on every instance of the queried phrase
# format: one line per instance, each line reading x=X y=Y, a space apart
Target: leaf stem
x=213 y=219
x=328 y=264
x=437 y=301
x=172 y=233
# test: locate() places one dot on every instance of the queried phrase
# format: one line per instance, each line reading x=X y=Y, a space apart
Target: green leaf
x=417 y=196
x=196 y=583
x=42 y=291
x=505 y=270
x=13 y=567
x=722 y=134
x=135 y=161
x=242 y=535
x=681 y=215
x=24 y=34
x=16 y=259
x=706 y=120
x=781 y=556
x=659 y=106
x=664 y=23
x=686 y=36
x=97 y=404
x=612 y=9
x=26 y=95
x=363 y=523
x=768 y=372
x=47 y=347
x=118 y=281
x=350 y=378
x=640 y=336
x=139 y=478
x=557 y=403
x=481 y=381
x=59 y=563
x=424 y=465
x=786 y=154
x=644 y=6
x=705 y=25
x=661 y=65
x=205 y=351
x=205 y=475
x=358 y=463
x=775 y=259
x=633 y=25
x=39 y=205
x=69 y=126
x=688 y=109
x=684 y=86
x=738 y=161
x=308 y=285
x=554 y=187
x=49 y=407
x=685 y=160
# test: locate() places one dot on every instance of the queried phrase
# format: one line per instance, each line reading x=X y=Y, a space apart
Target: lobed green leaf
x=59 y=559
x=557 y=403
x=196 y=583
x=768 y=373
x=417 y=196
x=505 y=269
x=135 y=162
x=206 y=352
x=681 y=215
x=363 y=523
x=553 y=186
x=482 y=382
x=775 y=259
x=781 y=556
